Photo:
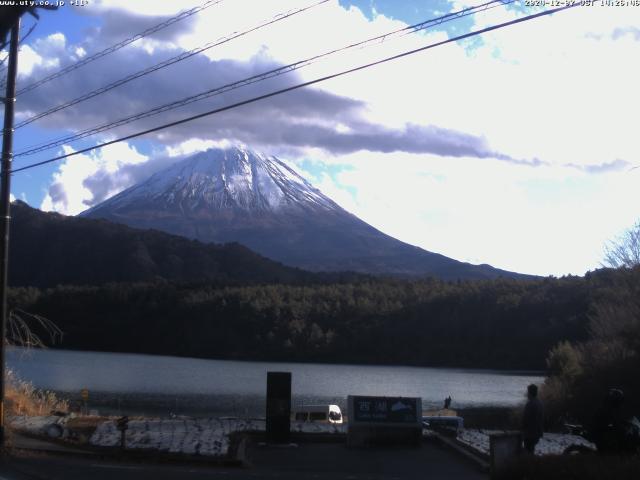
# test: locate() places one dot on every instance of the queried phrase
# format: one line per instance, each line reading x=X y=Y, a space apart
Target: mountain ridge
x=237 y=195
x=49 y=249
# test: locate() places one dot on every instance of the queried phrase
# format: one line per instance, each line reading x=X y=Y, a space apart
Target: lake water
x=161 y=384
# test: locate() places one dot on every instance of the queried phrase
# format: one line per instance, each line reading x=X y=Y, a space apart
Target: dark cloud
x=117 y=25
x=364 y=136
x=58 y=193
x=617 y=33
x=623 y=32
x=613 y=166
x=288 y=123
x=302 y=118
x=103 y=183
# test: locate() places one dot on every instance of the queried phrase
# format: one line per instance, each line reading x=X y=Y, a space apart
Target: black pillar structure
x=5 y=207
x=278 y=407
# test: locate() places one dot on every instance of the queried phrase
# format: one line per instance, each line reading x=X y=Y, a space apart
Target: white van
x=317 y=413
x=435 y=422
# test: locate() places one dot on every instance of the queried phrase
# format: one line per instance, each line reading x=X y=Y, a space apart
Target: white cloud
x=69 y=192
x=146 y=7
x=57 y=40
x=194 y=145
x=560 y=89
x=514 y=217
x=29 y=59
x=43 y=54
x=548 y=79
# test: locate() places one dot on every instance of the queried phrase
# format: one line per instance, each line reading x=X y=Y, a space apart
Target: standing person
x=532 y=419
x=607 y=430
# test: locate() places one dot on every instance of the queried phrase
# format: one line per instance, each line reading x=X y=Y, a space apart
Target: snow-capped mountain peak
x=237 y=195
x=235 y=178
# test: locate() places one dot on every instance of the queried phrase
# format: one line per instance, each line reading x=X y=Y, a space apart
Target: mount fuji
x=237 y=195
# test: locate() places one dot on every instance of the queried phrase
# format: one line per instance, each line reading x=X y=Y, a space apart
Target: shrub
x=580 y=374
x=22 y=398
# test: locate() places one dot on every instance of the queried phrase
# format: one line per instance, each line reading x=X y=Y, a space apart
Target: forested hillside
x=49 y=249
x=581 y=372
x=493 y=324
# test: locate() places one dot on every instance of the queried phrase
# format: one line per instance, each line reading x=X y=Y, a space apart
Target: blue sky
x=514 y=149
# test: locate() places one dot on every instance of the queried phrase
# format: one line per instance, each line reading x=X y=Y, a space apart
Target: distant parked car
x=318 y=413
x=449 y=423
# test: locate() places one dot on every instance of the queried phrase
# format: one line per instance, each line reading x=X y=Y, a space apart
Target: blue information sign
x=385 y=409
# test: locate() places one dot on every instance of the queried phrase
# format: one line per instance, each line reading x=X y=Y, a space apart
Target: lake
x=156 y=384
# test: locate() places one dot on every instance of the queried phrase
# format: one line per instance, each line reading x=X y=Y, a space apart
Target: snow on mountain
x=232 y=178
x=237 y=195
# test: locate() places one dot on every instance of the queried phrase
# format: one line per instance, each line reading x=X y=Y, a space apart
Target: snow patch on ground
x=312 y=427
x=36 y=425
x=210 y=436
x=193 y=436
x=201 y=436
x=549 y=444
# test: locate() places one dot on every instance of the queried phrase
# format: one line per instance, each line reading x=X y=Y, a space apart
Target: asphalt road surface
x=306 y=461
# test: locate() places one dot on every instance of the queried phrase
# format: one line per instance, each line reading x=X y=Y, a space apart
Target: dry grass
x=22 y=398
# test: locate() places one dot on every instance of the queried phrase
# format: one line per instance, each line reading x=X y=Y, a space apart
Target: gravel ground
x=194 y=436
x=210 y=436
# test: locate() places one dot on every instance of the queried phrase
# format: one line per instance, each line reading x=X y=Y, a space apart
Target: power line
x=119 y=45
x=298 y=86
x=257 y=78
x=166 y=63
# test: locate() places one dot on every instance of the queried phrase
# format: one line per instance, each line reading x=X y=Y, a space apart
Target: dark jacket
x=532 y=419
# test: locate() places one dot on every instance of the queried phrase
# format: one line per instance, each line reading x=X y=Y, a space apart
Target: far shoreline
x=493 y=417
x=496 y=371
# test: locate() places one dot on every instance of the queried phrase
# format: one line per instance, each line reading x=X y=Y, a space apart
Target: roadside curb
x=464 y=451
x=60 y=448
x=241 y=452
x=237 y=455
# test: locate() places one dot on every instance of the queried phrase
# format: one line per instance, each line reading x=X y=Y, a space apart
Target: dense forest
x=112 y=288
x=491 y=324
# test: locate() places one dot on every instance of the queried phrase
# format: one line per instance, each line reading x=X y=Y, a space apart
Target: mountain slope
x=48 y=249
x=236 y=195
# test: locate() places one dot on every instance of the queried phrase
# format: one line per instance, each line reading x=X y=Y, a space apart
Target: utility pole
x=5 y=207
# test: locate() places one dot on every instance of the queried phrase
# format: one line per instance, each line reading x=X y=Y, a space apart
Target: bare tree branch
x=624 y=251
x=22 y=326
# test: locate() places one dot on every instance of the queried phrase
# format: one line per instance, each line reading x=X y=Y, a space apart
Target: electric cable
x=298 y=86
x=80 y=63
x=31 y=150
x=166 y=63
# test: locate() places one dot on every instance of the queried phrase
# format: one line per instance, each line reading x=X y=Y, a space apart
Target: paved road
x=305 y=462
x=332 y=460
